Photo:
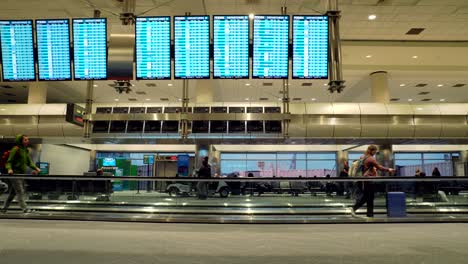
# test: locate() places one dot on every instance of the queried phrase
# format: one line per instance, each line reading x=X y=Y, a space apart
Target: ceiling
x=368 y=46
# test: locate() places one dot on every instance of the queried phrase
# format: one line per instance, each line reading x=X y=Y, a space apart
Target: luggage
x=396 y=204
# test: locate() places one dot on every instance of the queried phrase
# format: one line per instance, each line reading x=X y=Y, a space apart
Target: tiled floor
x=54 y=242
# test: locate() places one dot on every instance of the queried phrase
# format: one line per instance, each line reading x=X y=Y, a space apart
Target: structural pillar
x=37 y=93
x=204 y=91
x=380 y=92
x=385 y=156
x=342 y=158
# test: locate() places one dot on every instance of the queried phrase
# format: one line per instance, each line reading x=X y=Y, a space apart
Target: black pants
x=367 y=197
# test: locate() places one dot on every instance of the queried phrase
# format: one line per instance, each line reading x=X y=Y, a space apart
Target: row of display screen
x=153 y=48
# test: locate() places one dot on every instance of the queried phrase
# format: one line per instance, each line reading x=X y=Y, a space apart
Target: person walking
x=17 y=163
x=370 y=168
x=204 y=172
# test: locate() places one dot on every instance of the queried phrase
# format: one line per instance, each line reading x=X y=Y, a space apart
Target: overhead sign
x=153 y=48
x=75 y=114
x=17 y=46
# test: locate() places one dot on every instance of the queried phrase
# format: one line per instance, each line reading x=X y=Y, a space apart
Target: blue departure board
x=17 y=47
x=270 y=47
x=90 y=48
x=153 y=48
x=53 y=49
x=191 y=47
x=310 y=47
x=231 y=46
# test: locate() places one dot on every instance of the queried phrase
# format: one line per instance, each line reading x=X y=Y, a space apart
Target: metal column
x=89 y=97
x=335 y=71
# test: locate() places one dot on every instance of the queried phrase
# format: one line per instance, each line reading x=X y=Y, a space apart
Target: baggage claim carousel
x=284 y=205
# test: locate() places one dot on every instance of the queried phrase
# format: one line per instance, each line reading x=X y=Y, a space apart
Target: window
x=408 y=163
x=284 y=164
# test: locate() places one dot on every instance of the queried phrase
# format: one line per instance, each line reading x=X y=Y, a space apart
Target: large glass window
x=408 y=163
x=284 y=164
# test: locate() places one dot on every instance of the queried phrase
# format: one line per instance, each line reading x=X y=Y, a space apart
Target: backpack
x=357 y=167
x=5 y=157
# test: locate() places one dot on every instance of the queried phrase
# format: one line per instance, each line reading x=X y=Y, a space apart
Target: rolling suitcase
x=396 y=204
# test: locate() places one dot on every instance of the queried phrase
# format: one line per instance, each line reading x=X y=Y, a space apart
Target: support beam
x=380 y=92
x=37 y=93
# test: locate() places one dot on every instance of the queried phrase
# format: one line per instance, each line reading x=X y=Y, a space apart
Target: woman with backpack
x=369 y=168
x=18 y=162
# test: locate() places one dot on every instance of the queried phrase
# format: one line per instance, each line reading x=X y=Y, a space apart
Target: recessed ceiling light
x=116 y=100
x=3 y=109
x=247 y=84
x=415 y=57
x=369 y=56
x=279 y=99
x=325 y=84
x=372 y=17
x=147 y=99
x=313 y=99
x=95 y=85
x=169 y=84
x=246 y=99
x=251 y=16
x=440 y=85
x=402 y=84
x=410 y=100
x=419 y=109
x=442 y=100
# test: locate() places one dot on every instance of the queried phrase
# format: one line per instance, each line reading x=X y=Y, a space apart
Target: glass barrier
x=280 y=197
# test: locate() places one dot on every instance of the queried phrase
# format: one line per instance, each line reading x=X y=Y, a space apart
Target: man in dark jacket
x=204 y=172
x=18 y=162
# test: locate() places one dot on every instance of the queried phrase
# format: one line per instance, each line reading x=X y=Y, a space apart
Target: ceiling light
x=442 y=100
x=169 y=84
x=95 y=85
x=246 y=99
x=402 y=84
x=369 y=56
x=116 y=100
x=251 y=16
x=419 y=109
x=313 y=99
x=180 y=99
x=3 y=109
x=440 y=85
x=372 y=17
x=410 y=100
x=279 y=99
x=147 y=99
x=247 y=84
x=415 y=57
x=325 y=84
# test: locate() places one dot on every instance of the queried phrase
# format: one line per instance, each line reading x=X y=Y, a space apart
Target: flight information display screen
x=90 y=48
x=231 y=47
x=192 y=46
x=17 y=47
x=310 y=47
x=153 y=48
x=270 y=47
x=53 y=49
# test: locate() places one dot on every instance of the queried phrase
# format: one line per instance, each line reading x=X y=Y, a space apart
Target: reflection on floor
x=58 y=242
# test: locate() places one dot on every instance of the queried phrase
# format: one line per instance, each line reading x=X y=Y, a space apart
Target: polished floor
x=57 y=242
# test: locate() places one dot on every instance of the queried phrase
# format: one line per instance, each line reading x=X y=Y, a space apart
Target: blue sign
x=17 y=48
x=53 y=49
x=231 y=47
x=153 y=48
x=183 y=164
x=270 y=47
x=191 y=47
x=90 y=48
x=310 y=47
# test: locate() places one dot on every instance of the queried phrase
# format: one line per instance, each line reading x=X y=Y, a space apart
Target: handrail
x=240 y=179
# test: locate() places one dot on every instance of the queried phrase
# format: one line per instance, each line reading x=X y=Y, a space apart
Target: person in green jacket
x=18 y=162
